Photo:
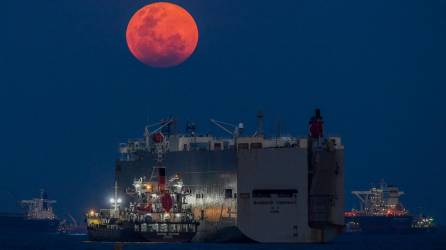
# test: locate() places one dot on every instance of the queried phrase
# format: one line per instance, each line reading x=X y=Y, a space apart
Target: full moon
x=162 y=35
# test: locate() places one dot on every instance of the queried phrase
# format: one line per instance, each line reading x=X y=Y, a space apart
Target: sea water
x=420 y=241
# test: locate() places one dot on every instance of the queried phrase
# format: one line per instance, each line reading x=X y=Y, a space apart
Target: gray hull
x=262 y=194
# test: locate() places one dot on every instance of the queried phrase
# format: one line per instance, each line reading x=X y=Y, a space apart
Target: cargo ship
x=382 y=212
x=240 y=187
x=40 y=217
x=158 y=212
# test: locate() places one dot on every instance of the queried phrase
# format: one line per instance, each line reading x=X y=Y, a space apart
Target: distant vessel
x=241 y=187
x=382 y=212
x=424 y=223
x=40 y=217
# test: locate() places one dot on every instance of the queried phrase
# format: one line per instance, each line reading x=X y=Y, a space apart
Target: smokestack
x=260 y=124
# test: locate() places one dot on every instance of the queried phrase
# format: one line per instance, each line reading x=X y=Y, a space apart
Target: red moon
x=162 y=35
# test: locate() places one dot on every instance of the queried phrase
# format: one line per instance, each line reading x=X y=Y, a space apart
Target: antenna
x=279 y=128
x=260 y=132
x=115 y=201
x=191 y=127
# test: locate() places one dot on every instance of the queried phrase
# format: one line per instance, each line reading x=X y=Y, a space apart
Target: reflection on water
x=118 y=246
x=433 y=241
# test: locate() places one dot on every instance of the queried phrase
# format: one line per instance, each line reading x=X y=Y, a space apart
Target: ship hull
x=19 y=223
x=207 y=175
x=113 y=235
x=223 y=186
x=168 y=237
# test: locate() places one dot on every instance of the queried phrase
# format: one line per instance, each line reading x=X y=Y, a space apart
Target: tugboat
x=382 y=212
x=40 y=217
x=424 y=223
x=157 y=213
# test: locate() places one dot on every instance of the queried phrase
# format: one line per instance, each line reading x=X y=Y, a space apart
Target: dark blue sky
x=70 y=91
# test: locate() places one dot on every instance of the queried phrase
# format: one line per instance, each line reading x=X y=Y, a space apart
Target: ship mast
x=115 y=201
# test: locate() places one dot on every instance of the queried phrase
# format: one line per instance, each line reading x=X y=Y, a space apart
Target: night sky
x=70 y=90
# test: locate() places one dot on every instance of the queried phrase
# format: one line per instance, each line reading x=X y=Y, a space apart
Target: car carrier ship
x=239 y=188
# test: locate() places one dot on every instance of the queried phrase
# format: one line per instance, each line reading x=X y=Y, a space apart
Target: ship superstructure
x=248 y=187
x=381 y=211
x=40 y=208
x=382 y=201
